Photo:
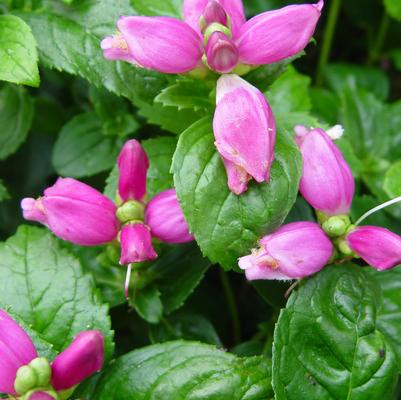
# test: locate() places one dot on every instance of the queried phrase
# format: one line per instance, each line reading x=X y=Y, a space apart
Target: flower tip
x=33 y=210
x=320 y=5
x=107 y=43
x=335 y=132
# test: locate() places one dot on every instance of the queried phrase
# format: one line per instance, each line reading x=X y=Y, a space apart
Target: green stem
x=378 y=44
x=232 y=307
x=328 y=39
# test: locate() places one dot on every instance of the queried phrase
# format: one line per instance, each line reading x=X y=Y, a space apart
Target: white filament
x=335 y=132
x=127 y=281
x=377 y=208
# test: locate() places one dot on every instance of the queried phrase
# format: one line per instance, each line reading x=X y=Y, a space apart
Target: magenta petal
x=214 y=12
x=75 y=212
x=237 y=177
x=40 y=396
x=221 y=53
x=294 y=251
x=166 y=220
x=161 y=43
x=244 y=127
x=81 y=359
x=327 y=182
x=133 y=165
x=136 y=244
x=193 y=9
x=16 y=350
x=378 y=246
x=116 y=48
x=276 y=35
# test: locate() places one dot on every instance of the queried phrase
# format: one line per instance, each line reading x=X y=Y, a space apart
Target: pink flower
x=170 y=45
x=294 y=251
x=133 y=165
x=327 y=182
x=81 y=359
x=16 y=350
x=245 y=132
x=136 y=244
x=164 y=216
x=378 y=246
x=74 y=212
x=24 y=374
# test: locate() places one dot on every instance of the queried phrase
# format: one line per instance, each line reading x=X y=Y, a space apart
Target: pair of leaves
x=44 y=286
x=331 y=341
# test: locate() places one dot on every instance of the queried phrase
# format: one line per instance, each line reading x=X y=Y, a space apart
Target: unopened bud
x=343 y=247
x=222 y=53
x=42 y=370
x=25 y=380
x=336 y=226
x=41 y=395
x=215 y=27
x=131 y=210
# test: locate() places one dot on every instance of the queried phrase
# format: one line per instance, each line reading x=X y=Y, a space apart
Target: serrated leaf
x=328 y=344
x=193 y=94
x=227 y=226
x=160 y=153
x=18 y=55
x=16 y=113
x=389 y=314
x=185 y=370
x=171 y=8
x=45 y=287
x=81 y=148
x=187 y=326
x=69 y=45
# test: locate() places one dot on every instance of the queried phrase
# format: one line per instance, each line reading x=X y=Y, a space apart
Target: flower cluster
x=25 y=376
x=82 y=215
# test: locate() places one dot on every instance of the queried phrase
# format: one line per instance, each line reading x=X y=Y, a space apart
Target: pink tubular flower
x=245 y=132
x=81 y=359
x=378 y=246
x=16 y=350
x=75 y=212
x=164 y=216
x=136 y=244
x=294 y=251
x=133 y=165
x=327 y=182
x=170 y=45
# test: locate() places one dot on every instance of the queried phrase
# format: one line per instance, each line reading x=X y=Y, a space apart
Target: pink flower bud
x=74 y=212
x=214 y=12
x=133 y=165
x=221 y=53
x=294 y=251
x=327 y=182
x=41 y=396
x=245 y=132
x=16 y=350
x=136 y=244
x=164 y=216
x=82 y=358
x=159 y=43
x=194 y=9
x=378 y=246
x=275 y=35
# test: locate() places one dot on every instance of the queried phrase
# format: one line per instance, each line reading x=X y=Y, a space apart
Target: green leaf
x=82 y=150
x=325 y=104
x=185 y=370
x=389 y=314
x=160 y=153
x=392 y=180
x=374 y=80
x=393 y=118
x=290 y=93
x=396 y=56
x=194 y=94
x=16 y=113
x=227 y=226
x=393 y=7
x=70 y=45
x=4 y=195
x=18 y=55
x=171 y=8
x=113 y=111
x=44 y=285
x=362 y=116
x=147 y=303
x=187 y=326
x=328 y=344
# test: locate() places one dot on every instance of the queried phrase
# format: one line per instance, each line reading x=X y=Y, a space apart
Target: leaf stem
x=328 y=39
x=378 y=44
x=232 y=307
